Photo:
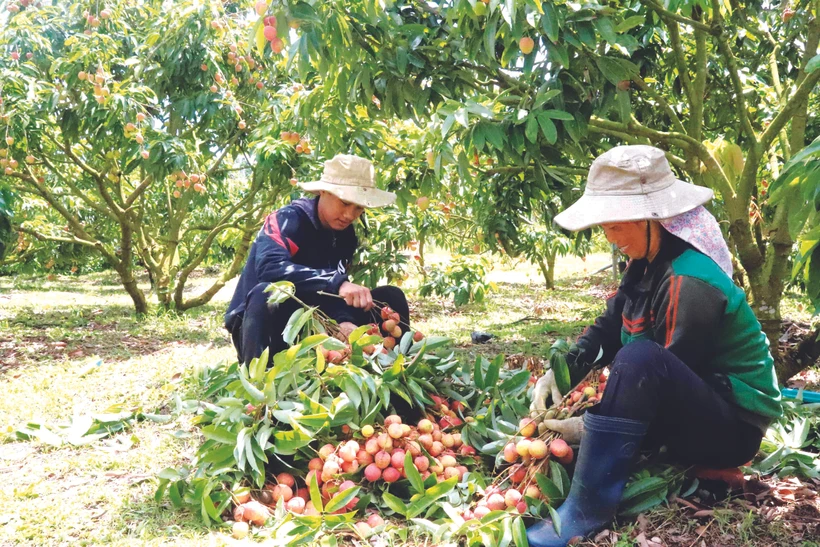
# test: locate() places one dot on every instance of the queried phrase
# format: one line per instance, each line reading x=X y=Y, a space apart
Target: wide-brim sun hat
x=350 y=178
x=629 y=183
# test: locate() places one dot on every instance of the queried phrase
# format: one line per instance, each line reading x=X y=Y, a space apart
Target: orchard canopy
x=156 y=135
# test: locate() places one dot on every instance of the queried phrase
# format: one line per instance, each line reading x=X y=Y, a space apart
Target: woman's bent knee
x=638 y=358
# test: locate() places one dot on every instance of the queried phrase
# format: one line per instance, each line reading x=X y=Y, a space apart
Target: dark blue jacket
x=294 y=246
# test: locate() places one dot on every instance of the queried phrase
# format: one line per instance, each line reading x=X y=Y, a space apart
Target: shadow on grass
x=109 y=331
x=142 y=517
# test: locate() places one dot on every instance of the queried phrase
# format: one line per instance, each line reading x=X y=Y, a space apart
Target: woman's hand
x=570 y=428
x=546 y=389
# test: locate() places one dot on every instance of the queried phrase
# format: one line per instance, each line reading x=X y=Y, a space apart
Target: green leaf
x=280 y=291
x=813 y=64
x=401 y=60
x=641 y=504
x=304 y=11
x=560 y=370
x=289 y=334
x=288 y=442
x=559 y=476
x=333 y=343
x=341 y=499
x=413 y=474
x=558 y=115
x=606 y=29
x=629 y=23
x=311 y=342
x=616 y=70
x=175 y=493
x=549 y=21
x=358 y=333
x=515 y=384
x=643 y=486
x=398 y=365
x=548 y=128
x=219 y=433
x=478 y=373
x=542 y=98
x=556 y=520
x=519 y=532
x=491 y=378
x=490 y=30
x=296 y=324
x=315 y=494
x=259 y=37
x=419 y=505
x=549 y=489
x=394 y=503
x=557 y=53
x=531 y=130
x=353 y=391
x=442 y=488
x=254 y=392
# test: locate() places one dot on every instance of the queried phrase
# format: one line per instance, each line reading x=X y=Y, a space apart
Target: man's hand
x=546 y=389
x=345 y=329
x=570 y=428
x=356 y=295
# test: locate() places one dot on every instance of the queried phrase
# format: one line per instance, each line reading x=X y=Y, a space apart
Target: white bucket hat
x=630 y=183
x=350 y=178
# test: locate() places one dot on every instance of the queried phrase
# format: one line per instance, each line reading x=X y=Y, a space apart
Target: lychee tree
x=143 y=131
x=724 y=88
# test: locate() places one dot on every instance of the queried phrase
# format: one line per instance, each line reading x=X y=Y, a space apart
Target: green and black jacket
x=683 y=301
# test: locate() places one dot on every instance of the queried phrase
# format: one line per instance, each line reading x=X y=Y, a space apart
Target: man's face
x=335 y=214
x=629 y=237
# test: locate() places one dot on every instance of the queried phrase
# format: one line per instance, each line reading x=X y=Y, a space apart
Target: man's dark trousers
x=261 y=325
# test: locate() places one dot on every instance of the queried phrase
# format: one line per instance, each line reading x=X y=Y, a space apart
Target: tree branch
x=76 y=227
x=58 y=239
x=632 y=139
x=221 y=156
x=661 y=100
x=802 y=94
x=680 y=60
x=666 y=14
x=141 y=187
x=740 y=99
x=98 y=180
x=77 y=192
x=686 y=142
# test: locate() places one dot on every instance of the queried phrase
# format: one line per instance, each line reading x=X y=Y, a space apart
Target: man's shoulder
x=290 y=213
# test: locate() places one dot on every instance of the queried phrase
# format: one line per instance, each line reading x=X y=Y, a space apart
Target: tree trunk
x=236 y=265
x=804 y=355
x=547 y=267
x=127 y=277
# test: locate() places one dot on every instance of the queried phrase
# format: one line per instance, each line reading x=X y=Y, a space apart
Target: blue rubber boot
x=609 y=447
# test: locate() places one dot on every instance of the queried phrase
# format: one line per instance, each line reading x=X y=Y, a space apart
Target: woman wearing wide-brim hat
x=311 y=242
x=690 y=365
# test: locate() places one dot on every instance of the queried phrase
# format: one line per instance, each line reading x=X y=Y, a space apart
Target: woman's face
x=629 y=237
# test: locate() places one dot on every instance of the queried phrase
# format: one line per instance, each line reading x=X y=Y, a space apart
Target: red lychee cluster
x=194 y=181
x=301 y=145
x=585 y=395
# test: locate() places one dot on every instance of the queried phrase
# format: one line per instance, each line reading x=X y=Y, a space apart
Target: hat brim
x=592 y=210
x=364 y=197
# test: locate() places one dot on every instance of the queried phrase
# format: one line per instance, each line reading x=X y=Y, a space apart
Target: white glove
x=545 y=388
x=570 y=428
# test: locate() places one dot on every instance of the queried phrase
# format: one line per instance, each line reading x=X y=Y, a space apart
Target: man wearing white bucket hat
x=690 y=366
x=311 y=244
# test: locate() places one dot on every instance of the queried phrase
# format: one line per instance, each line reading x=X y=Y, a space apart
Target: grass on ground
x=72 y=346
